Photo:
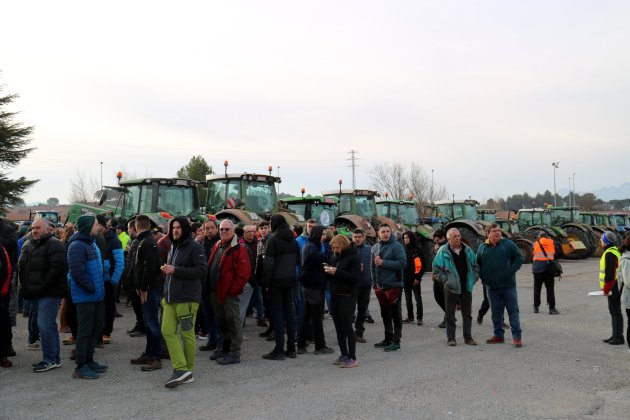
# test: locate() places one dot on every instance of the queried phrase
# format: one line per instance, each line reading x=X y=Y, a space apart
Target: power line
x=353 y=165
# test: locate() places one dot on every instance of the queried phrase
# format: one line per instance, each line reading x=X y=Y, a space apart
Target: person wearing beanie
x=85 y=277
x=608 y=265
x=282 y=257
x=113 y=266
x=185 y=270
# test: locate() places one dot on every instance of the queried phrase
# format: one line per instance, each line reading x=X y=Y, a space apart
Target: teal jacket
x=498 y=264
x=390 y=274
x=444 y=266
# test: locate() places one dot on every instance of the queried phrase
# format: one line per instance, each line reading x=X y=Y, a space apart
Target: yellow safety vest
x=602 y=264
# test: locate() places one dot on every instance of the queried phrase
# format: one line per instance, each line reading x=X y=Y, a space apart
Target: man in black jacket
x=145 y=277
x=9 y=240
x=282 y=256
x=43 y=267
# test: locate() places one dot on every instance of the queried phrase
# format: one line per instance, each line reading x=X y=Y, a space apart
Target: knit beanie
x=609 y=238
x=85 y=223
x=102 y=220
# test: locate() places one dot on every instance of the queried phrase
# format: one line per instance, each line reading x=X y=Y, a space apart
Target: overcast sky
x=486 y=93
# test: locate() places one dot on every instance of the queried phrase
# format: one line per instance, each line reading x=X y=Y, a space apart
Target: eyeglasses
x=225 y=229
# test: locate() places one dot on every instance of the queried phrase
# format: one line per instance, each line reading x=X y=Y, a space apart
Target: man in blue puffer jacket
x=85 y=277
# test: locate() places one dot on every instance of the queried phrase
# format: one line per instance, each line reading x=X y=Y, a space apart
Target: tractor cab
x=400 y=211
x=322 y=209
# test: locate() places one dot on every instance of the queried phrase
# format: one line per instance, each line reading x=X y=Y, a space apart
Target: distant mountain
x=606 y=193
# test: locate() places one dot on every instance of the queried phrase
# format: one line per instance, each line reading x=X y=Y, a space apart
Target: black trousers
x=614 y=307
x=548 y=280
x=465 y=301
x=313 y=312
x=438 y=294
x=363 y=302
x=90 y=316
x=485 y=304
x=392 y=319
x=410 y=290
x=110 y=308
x=342 y=311
x=6 y=335
x=137 y=310
x=71 y=315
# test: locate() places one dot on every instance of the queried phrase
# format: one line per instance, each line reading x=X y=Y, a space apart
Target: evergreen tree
x=14 y=137
x=197 y=169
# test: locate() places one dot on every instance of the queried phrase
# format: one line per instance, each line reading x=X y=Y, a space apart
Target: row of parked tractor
x=250 y=197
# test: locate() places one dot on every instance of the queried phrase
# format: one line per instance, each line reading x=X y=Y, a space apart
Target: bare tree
x=390 y=177
x=83 y=189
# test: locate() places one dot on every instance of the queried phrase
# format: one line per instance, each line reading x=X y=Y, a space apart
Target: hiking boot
x=178 y=377
x=470 y=342
x=228 y=359
x=350 y=363
x=518 y=342
x=273 y=356
x=553 y=311
x=292 y=354
x=324 y=350
x=97 y=367
x=408 y=320
x=451 y=343
x=85 y=373
x=69 y=341
x=616 y=341
x=340 y=360
x=154 y=364
x=536 y=310
x=495 y=340
x=392 y=347
x=382 y=344
x=142 y=360
x=360 y=339
x=44 y=366
x=217 y=354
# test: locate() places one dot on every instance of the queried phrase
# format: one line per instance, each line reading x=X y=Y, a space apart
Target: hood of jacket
x=316 y=235
x=278 y=222
x=413 y=241
x=185 y=224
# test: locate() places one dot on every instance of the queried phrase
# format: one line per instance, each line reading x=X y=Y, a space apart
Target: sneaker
x=142 y=360
x=107 y=339
x=479 y=320
x=442 y=324
x=369 y=319
x=451 y=343
x=5 y=363
x=228 y=359
x=536 y=310
x=137 y=333
x=419 y=322
x=392 y=347
x=178 y=377
x=608 y=339
x=495 y=340
x=360 y=339
x=408 y=320
x=33 y=346
x=202 y=336
x=616 y=341
x=382 y=344
x=97 y=367
x=85 y=373
x=273 y=356
x=69 y=341
x=216 y=355
x=154 y=364
x=189 y=380
x=340 y=360
x=553 y=311
x=518 y=342
x=292 y=354
x=324 y=350
x=470 y=342
x=44 y=366
x=350 y=363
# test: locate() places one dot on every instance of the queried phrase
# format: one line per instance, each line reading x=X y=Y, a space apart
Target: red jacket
x=234 y=269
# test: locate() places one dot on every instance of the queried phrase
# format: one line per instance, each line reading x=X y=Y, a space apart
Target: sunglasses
x=225 y=229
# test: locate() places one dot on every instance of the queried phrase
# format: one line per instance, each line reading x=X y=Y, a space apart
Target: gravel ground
x=562 y=371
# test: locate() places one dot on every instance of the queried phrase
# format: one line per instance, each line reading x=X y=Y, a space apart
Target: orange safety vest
x=549 y=249
x=417 y=265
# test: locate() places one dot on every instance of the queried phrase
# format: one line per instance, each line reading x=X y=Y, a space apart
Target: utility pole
x=353 y=159
x=431 y=197
x=574 y=189
x=555 y=166
x=101 y=176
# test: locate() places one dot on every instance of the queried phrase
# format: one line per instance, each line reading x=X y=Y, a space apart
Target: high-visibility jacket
x=548 y=246
x=602 y=265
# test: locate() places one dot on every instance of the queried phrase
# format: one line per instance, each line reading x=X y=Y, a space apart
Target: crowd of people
x=204 y=279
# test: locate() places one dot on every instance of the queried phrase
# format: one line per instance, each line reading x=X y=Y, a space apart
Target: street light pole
x=555 y=166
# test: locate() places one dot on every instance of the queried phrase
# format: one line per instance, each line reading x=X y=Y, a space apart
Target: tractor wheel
x=470 y=238
x=526 y=250
x=574 y=234
x=599 y=250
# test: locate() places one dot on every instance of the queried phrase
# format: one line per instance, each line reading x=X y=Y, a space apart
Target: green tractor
x=53 y=216
x=462 y=215
x=246 y=198
x=322 y=209
x=622 y=221
x=533 y=221
x=598 y=225
x=568 y=218
x=509 y=230
x=158 y=198
x=406 y=212
x=357 y=209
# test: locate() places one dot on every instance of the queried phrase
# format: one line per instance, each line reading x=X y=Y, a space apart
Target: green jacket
x=444 y=268
x=498 y=264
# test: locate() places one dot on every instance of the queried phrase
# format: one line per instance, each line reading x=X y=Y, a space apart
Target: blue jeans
x=244 y=299
x=46 y=316
x=257 y=301
x=214 y=333
x=504 y=298
x=150 y=313
x=30 y=307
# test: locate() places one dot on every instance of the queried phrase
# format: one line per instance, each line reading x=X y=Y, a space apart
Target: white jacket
x=623 y=278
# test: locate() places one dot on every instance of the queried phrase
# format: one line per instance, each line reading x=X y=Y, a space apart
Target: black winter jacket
x=282 y=257
x=346 y=278
x=43 y=267
x=146 y=264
